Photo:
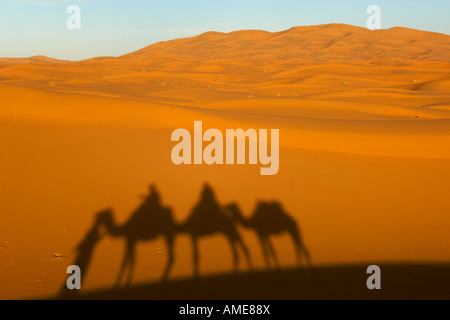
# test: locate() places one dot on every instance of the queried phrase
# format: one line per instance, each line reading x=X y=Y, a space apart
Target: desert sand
x=364 y=119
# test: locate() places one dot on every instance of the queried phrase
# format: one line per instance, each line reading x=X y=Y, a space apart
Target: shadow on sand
x=152 y=219
x=399 y=281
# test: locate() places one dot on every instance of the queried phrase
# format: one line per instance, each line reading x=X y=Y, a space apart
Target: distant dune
x=320 y=72
x=364 y=120
x=335 y=43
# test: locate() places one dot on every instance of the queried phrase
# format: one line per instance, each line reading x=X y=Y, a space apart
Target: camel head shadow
x=85 y=250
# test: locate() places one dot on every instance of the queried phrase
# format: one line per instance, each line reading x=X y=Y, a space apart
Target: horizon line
x=219 y=32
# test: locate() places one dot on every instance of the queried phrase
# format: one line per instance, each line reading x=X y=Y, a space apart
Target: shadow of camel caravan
x=208 y=217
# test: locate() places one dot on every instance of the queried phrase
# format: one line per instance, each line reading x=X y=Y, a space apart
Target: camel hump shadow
x=272 y=218
x=268 y=219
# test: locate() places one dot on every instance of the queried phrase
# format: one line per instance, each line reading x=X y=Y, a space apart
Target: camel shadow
x=271 y=219
x=208 y=218
x=151 y=220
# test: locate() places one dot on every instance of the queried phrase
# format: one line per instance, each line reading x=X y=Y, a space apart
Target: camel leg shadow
x=273 y=254
x=232 y=241
x=195 y=256
x=170 y=244
x=127 y=265
x=264 y=250
x=236 y=239
x=301 y=248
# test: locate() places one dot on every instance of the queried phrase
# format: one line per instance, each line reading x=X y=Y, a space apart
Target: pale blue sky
x=115 y=27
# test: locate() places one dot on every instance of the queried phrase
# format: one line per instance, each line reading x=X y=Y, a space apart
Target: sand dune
x=364 y=119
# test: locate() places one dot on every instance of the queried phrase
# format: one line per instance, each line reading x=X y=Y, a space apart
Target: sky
x=116 y=27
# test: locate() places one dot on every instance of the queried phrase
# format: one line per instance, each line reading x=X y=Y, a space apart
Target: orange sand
x=364 y=119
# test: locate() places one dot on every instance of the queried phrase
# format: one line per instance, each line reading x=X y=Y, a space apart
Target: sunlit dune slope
x=323 y=78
